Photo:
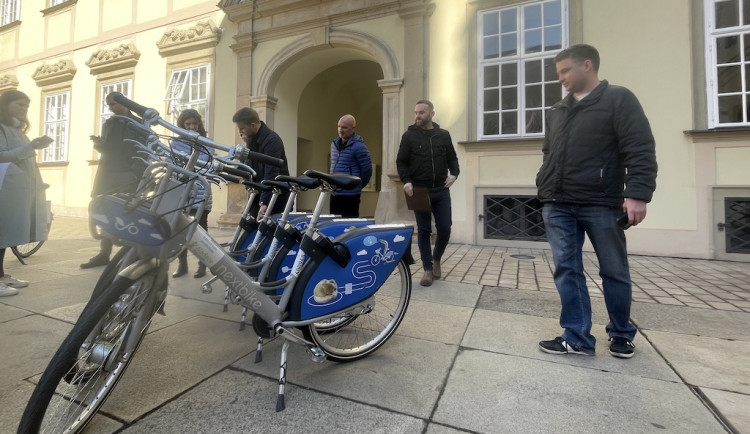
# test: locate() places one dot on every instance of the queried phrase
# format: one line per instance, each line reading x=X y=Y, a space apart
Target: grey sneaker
x=560 y=346
x=6 y=291
x=7 y=280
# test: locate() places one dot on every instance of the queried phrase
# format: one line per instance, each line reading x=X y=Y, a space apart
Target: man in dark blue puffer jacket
x=349 y=155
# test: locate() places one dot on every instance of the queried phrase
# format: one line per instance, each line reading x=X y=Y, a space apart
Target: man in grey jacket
x=597 y=175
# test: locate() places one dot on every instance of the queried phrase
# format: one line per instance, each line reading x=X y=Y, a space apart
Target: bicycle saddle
x=304 y=182
x=284 y=186
x=340 y=180
x=258 y=186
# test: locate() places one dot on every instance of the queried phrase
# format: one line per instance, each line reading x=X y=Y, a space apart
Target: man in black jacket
x=599 y=166
x=262 y=139
x=426 y=158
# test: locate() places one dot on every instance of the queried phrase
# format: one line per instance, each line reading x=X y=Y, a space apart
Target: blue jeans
x=566 y=226
x=440 y=201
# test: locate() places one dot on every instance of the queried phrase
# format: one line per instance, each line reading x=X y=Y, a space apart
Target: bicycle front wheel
x=91 y=360
x=26 y=250
x=354 y=335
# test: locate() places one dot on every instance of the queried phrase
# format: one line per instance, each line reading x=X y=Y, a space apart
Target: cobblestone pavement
x=700 y=283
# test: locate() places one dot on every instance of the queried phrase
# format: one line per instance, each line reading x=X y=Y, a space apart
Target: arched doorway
x=350 y=87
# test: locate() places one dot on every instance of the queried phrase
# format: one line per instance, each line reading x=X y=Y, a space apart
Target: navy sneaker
x=621 y=347
x=560 y=346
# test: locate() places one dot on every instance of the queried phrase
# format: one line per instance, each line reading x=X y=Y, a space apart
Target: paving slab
x=173 y=360
x=445 y=292
x=692 y=321
x=9 y=313
x=489 y=392
x=436 y=428
x=28 y=345
x=405 y=375
x=705 y=361
x=42 y=296
x=435 y=321
x=235 y=402
x=735 y=407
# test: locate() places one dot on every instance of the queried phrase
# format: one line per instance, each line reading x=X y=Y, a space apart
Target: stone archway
x=367 y=47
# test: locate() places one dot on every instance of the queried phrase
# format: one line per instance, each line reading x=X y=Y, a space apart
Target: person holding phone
x=598 y=166
x=118 y=170
x=20 y=184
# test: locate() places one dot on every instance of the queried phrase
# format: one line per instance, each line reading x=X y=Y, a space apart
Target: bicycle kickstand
x=243 y=318
x=259 y=351
x=282 y=377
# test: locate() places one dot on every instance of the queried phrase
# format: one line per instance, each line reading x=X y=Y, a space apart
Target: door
x=731 y=230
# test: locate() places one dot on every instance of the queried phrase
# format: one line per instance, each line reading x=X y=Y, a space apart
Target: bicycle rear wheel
x=92 y=359
x=354 y=335
x=28 y=249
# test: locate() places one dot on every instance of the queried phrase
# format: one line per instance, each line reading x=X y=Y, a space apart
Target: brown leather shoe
x=437 y=273
x=427 y=279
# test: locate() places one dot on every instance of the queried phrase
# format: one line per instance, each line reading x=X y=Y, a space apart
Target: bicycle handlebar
x=129 y=104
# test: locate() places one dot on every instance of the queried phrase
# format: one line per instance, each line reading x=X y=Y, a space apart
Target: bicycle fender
x=324 y=287
x=283 y=261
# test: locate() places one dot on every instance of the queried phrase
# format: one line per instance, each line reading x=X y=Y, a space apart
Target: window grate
x=513 y=218
x=737 y=224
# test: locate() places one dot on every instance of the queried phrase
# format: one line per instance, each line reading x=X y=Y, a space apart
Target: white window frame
x=519 y=59
x=712 y=67
x=186 y=90
x=11 y=11
x=125 y=87
x=56 y=126
x=56 y=2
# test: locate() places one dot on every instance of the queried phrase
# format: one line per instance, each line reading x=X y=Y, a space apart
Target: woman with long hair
x=191 y=120
x=23 y=209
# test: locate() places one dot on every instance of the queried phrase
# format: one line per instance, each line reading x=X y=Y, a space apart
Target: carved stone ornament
x=203 y=35
x=54 y=73
x=105 y=60
x=8 y=82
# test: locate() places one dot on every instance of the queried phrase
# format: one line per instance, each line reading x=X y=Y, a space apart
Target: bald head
x=346 y=127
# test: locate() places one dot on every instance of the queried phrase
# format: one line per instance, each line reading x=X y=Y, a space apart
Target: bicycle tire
x=28 y=249
x=354 y=335
x=91 y=360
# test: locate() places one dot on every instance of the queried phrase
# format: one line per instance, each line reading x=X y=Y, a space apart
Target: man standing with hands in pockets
x=427 y=159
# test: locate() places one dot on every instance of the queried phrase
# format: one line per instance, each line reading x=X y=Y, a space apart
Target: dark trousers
x=440 y=202
x=345 y=205
x=278 y=208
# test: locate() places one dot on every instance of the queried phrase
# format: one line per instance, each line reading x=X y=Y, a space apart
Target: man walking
x=427 y=159
x=599 y=165
x=349 y=155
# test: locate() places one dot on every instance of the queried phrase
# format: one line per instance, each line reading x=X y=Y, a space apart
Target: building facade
x=486 y=64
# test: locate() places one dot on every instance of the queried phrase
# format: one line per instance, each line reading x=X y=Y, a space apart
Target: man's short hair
x=426 y=102
x=246 y=115
x=580 y=53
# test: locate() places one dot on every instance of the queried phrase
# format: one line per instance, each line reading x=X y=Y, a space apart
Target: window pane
x=745 y=12
x=491 y=100
x=550 y=69
x=510 y=123
x=491 y=76
x=489 y=24
x=491 y=124
x=534 y=96
x=509 y=74
x=552 y=13
x=727 y=13
x=532 y=17
x=730 y=79
x=553 y=38
x=533 y=121
x=533 y=41
x=509 y=21
x=552 y=94
x=533 y=71
x=510 y=44
x=730 y=109
x=509 y=98
x=491 y=48
x=728 y=49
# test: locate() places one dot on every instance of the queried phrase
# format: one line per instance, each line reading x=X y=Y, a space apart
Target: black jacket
x=118 y=169
x=426 y=156
x=269 y=143
x=597 y=151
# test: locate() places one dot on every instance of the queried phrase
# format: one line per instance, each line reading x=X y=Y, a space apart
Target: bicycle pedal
x=316 y=354
x=207 y=288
